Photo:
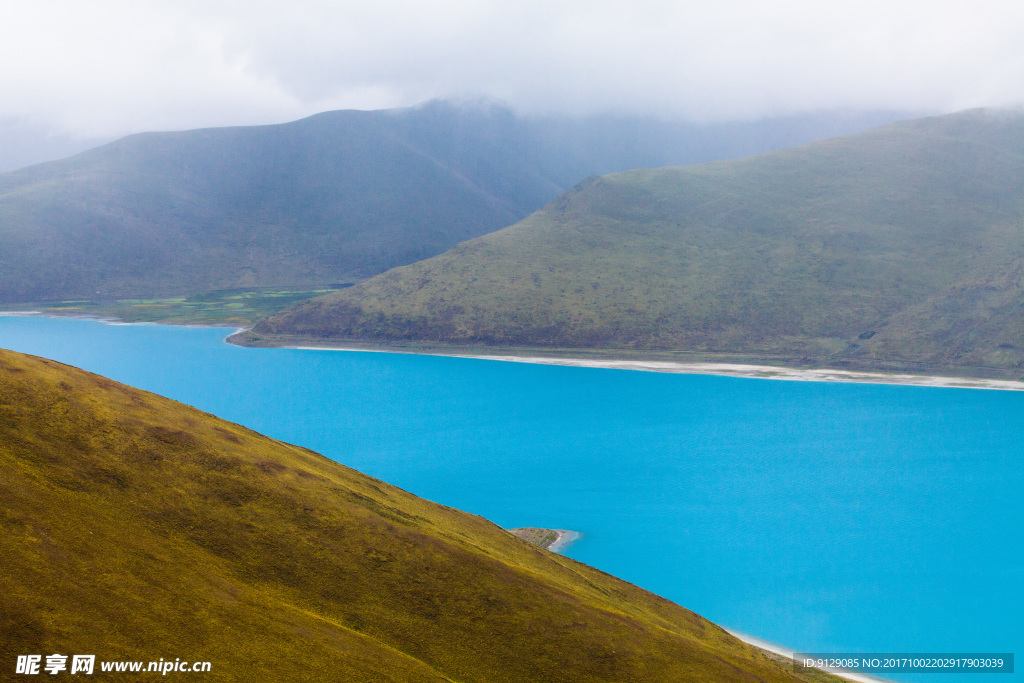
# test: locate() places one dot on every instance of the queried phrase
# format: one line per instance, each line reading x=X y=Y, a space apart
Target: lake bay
x=823 y=517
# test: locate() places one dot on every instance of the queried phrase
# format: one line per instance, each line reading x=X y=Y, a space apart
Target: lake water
x=825 y=517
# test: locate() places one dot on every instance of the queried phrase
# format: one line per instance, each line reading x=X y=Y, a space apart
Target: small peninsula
x=554 y=540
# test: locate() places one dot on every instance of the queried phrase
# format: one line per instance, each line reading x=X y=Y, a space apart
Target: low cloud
x=109 y=66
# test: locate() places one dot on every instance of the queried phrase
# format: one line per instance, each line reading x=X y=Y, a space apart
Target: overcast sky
x=110 y=67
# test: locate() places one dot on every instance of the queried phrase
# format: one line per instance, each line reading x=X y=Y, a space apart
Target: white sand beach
x=770 y=372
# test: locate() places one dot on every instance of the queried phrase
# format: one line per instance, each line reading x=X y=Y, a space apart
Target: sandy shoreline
x=773 y=372
x=722 y=369
x=565 y=539
x=541 y=537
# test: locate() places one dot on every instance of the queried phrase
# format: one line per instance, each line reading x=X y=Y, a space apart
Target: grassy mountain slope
x=900 y=247
x=138 y=528
x=333 y=198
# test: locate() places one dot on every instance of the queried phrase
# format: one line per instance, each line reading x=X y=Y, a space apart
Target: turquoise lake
x=823 y=517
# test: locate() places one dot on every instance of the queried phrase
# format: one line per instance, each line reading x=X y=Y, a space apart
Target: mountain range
x=330 y=199
x=897 y=248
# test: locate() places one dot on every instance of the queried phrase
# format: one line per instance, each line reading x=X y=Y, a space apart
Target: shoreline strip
x=565 y=539
x=541 y=537
x=740 y=370
x=771 y=372
x=744 y=371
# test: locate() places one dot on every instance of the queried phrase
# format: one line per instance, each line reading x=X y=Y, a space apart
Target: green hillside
x=897 y=248
x=331 y=199
x=138 y=528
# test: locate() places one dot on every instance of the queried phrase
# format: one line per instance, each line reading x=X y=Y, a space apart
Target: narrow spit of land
x=555 y=540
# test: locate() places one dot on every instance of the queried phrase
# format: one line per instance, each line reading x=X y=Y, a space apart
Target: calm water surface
x=826 y=517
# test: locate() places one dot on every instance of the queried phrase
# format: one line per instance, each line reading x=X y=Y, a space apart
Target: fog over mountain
x=25 y=142
x=898 y=248
x=332 y=198
x=108 y=68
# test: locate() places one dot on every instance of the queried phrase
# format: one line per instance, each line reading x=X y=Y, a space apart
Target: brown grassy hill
x=138 y=528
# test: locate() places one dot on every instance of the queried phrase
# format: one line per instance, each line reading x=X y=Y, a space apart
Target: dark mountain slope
x=895 y=248
x=137 y=528
x=333 y=198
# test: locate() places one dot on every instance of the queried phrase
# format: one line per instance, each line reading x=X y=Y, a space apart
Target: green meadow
x=230 y=307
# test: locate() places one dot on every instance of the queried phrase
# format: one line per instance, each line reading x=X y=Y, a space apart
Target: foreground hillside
x=330 y=199
x=898 y=248
x=137 y=528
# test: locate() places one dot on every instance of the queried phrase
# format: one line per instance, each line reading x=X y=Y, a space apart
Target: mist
x=111 y=67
